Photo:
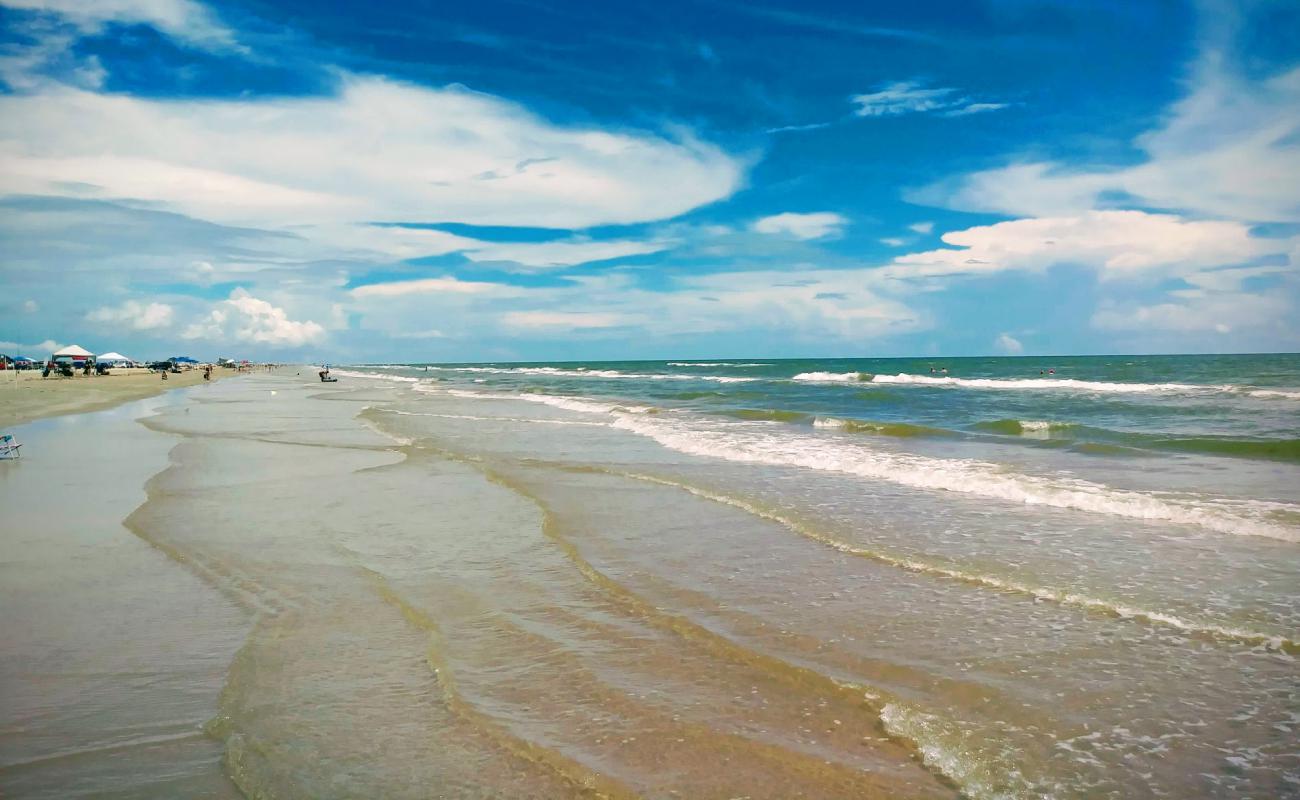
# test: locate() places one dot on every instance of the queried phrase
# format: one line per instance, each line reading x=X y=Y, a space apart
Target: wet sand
x=113 y=654
x=25 y=395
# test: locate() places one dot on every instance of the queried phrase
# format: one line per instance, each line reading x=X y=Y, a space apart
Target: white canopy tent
x=74 y=352
x=115 y=359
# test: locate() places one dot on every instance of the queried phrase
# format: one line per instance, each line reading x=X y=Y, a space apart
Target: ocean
x=712 y=578
x=1070 y=577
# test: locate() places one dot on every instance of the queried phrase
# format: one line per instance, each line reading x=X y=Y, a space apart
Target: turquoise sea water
x=1232 y=406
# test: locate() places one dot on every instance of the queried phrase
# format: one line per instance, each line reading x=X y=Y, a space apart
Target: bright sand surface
x=25 y=395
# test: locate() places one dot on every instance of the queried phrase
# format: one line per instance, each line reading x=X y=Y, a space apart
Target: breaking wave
x=965 y=476
x=579 y=372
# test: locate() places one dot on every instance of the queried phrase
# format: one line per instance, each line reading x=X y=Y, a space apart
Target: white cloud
x=1221 y=313
x=1006 y=343
x=430 y=286
x=245 y=318
x=817 y=225
x=432 y=333
x=912 y=97
x=359 y=240
x=894 y=241
x=184 y=20
x=134 y=315
x=923 y=228
x=544 y=255
x=573 y=320
x=38 y=350
x=30 y=306
x=975 y=108
x=1226 y=150
x=904 y=97
x=378 y=150
x=1116 y=243
x=812 y=305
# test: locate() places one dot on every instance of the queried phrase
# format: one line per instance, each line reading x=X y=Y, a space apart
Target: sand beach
x=26 y=396
x=399 y=585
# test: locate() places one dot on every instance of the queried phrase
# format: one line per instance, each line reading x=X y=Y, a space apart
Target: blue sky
x=536 y=181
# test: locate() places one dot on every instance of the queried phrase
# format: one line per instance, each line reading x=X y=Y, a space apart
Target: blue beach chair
x=9 y=447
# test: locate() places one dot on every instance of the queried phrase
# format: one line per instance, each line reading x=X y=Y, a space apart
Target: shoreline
x=96 y=613
x=31 y=397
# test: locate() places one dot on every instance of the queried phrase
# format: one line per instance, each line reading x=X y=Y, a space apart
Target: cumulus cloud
x=912 y=97
x=1116 y=243
x=1008 y=344
x=134 y=315
x=817 y=225
x=245 y=318
x=184 y=20
x=378 y=150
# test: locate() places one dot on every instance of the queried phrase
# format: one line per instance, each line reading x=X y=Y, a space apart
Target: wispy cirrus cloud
x=184 y=20
x=913 y=97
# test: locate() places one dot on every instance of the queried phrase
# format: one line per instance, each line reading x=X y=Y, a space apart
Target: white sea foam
x=1047 y=383
x=581 y=405
x=738 y=442
x=831 y=377
x=479 y=418
x=347 y=373
x=717 y=364
x=748 y=443
x=1275 y=393
x=830 y=422
x=1057 y=384
x=612 y=374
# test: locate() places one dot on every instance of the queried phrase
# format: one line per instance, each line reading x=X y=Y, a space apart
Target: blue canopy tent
x=183 y=360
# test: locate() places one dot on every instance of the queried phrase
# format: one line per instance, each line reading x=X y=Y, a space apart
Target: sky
x=516 y=180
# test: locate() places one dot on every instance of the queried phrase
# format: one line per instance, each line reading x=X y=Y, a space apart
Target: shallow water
x=454 y=589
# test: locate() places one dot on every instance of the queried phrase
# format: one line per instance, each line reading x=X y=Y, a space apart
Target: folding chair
x=9 y=447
